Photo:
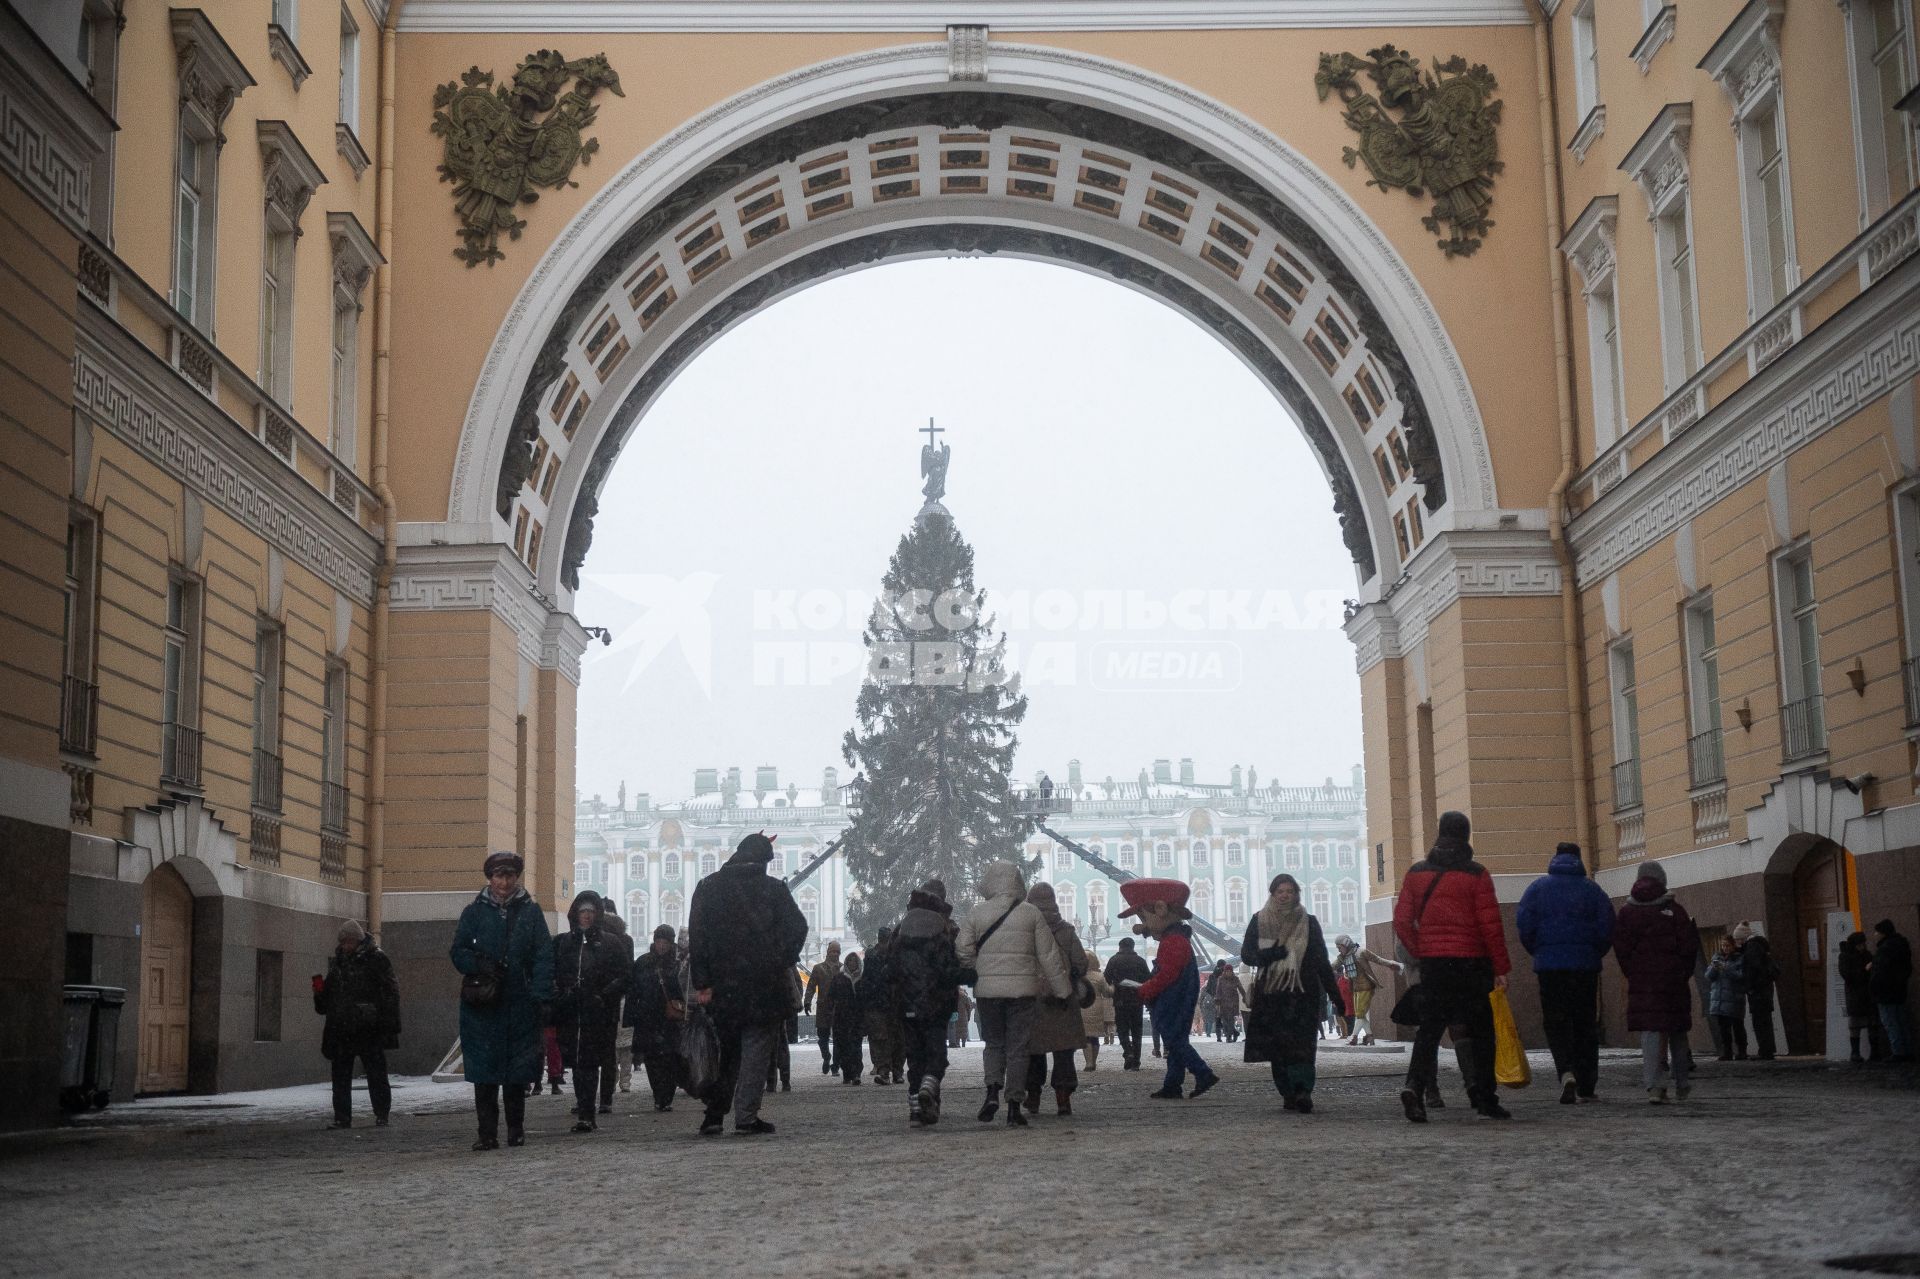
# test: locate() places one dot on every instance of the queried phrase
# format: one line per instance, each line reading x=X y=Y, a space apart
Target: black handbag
x=1412 y=1008
x=488 y=990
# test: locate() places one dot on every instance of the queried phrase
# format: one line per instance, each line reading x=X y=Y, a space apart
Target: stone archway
x=1060 y=157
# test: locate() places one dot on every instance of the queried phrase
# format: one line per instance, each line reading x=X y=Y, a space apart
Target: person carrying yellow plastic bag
x=1510 y=1068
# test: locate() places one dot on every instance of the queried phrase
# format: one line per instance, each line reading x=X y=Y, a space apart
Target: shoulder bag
x=486 y=990
x=1412 y=1008
x=969 y=975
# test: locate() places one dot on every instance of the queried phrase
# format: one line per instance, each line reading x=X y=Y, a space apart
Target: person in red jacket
x=1449 y=920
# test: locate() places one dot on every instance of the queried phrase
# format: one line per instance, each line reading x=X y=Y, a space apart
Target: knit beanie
x=1455 y=825
x=1743 y=931
x=1654 y=871
x=1567 y=849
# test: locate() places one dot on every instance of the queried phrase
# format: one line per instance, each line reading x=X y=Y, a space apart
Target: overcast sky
x=1147 y=522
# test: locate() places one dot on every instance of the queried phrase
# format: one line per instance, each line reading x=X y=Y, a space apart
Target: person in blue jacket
x=1566 y=924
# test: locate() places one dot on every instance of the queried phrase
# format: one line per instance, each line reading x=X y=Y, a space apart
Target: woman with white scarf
x=1285 y=947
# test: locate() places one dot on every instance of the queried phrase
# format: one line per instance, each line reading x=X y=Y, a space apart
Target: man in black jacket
x=1887 y=982
x=361 y=1001
x=926 y=986
x=1127 y=966
x=747 y=935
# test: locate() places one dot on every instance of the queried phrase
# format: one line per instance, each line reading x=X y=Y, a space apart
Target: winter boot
x=1569 y=1089
x=1062 y=1101
x=991 y=1106
x=915 y=1119
x=1033 y=1101
x=1411 y=1102
x=929 y=1099
x=1014 y=1118
x=1434 y=1101
x=553 y=1086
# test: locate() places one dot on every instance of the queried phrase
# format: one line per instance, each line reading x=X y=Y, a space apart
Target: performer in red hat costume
x=1173 y=989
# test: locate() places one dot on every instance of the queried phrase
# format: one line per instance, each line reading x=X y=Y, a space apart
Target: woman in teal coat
x=503 y=934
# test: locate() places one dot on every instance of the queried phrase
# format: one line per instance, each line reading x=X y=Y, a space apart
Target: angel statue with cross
x=933 y=464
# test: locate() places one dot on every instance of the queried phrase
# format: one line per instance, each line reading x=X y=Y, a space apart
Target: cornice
x=928 y=15
x=145 y=402
x=1588 y=133
x=292 y=175
x=1457 y=563
x=1588 y=243
x=474 y=576
x=1657 y=161
x=1745 y=60
x=354 y=256
x=1870 y=347
x=51 y=130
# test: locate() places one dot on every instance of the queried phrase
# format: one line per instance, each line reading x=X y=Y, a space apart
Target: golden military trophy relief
x=1443 y=143
x=504 y=140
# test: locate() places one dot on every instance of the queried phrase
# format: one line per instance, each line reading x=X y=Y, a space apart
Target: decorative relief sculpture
x=502 y=141
x=1443 y=143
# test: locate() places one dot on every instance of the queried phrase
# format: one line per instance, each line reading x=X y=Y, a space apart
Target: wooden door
x=166 y=951
x=1819 y=886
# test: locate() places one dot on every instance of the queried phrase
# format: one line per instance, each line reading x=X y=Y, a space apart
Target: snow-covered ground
x=1765 y=1171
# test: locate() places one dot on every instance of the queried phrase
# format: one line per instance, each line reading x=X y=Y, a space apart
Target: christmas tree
x=936 y=716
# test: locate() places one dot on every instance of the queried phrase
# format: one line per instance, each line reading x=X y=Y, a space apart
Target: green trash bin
x=76 y=1039
x=90 y=1045
x=105 y=1048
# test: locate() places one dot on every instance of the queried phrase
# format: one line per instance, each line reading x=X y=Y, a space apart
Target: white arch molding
x=1362 y=249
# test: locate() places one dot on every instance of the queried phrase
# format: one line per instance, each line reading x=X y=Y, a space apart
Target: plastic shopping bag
x=699 y=1055
x=1510 y=1066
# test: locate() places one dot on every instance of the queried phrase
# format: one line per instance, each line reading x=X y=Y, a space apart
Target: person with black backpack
x=926 y=990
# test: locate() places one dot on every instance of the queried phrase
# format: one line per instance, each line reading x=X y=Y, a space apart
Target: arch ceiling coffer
x=935 y=162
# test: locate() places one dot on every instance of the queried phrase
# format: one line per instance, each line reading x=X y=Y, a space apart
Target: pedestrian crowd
x=712 y=1011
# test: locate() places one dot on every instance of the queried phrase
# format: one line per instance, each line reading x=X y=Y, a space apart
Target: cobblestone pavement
x=1765 y=1171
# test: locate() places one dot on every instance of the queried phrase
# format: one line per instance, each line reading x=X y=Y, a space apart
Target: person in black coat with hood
x=747 y=934
x=590 y=972
x=361 y=1001
x=1887 y=981
x=1124 y=967
x=657 y=1009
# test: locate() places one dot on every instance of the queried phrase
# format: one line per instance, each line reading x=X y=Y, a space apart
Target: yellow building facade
x=1617 y=414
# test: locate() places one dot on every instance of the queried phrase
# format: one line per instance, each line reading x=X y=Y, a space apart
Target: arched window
x=1163 y=856
x=1069 y=899
x=709 y=863
x=1063 y=859
x=1319 y=856
x=1129 y=858
x=670 y=866
x=1346 y=855
x=1349 y=903
x=1236 y=854
x=1096 y=903
x=671 y=909
x=778 y=866
x=1293 y=856
x=1321 y=898
x=637 y=866
x=1203 y=899
x=810 y=907
x=1201 y=853
x=1236 y=900
x=581 y=870
x=637 y=921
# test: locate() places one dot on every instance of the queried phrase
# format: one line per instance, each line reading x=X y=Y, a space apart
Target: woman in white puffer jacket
x=1007 y=943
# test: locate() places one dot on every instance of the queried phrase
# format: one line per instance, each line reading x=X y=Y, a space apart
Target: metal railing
x=1910 y=678
x=268 y=775
x=1706 y=758
x=179 y=754
x=333 y=807
x=1803 y=728
x=1626 y=784
x=79 y=715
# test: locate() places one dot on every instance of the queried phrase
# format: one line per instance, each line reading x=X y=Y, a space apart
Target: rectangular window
x=180 y=683
x=1706 y=759
x=268 y=967
x=1771 y=273
x=1586 y=61
x=1609 y=389
x=286 y=16
x=269 y=646
x=346 y=372
x=276 y=316
x=1803 y=728
x=1679 y=315
x=333 y=725
x=349 y=71
x=1626 y=727
x=1906 y=525
x=1881 y=33
x=187 y=262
